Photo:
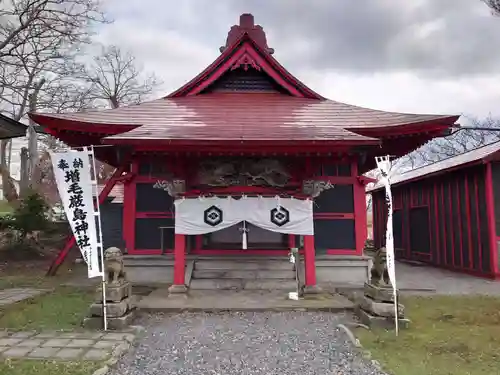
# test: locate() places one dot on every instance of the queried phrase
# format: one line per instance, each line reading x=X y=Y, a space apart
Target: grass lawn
x=457 y=335
x=5 y=208
x=62 y=309
x=33 y=367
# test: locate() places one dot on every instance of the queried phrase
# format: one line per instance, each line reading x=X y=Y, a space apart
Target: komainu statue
x=113 y=266
x=379 y=269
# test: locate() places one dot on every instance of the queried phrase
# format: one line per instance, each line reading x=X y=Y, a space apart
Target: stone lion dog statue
x=113 y=266
x=379 y=272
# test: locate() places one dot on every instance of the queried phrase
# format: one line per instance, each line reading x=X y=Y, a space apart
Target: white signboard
x=72 y=174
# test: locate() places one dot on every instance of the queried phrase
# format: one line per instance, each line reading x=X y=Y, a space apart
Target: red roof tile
x=454 y=162
x=261 y=116
x=246 y=116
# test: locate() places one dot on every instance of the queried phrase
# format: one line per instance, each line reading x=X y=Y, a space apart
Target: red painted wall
x=342 y=174
x=451 y=212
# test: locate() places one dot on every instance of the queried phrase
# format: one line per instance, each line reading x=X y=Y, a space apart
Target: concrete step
x=257 y=265
x=241 y=284
x=243 y=274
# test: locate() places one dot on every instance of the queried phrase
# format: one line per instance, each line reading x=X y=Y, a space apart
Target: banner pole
x=384 y=166
x=100 y=244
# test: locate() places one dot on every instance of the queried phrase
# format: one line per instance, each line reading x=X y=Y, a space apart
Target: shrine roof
x=243 y=115
x=245 y=94
x=472 y=157
x=10 y=128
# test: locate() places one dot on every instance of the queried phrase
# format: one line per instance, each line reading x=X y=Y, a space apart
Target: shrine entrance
x=257 y=238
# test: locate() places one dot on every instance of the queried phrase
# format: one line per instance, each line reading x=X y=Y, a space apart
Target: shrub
x=28 y=217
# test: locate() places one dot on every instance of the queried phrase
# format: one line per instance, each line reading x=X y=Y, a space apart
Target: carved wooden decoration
x=314 y=188
x=243 y=172
x=245 y=61
x=173 y=187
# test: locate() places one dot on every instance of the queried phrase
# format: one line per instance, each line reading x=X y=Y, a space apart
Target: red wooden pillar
x=180 y=259
x=360 y=217
x=490 y=207
x=129 y=200
x=309 y=261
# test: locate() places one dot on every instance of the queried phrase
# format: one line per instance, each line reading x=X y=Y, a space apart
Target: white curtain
x=206 y=215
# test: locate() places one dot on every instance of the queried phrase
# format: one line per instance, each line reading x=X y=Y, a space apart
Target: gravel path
x=282 y=343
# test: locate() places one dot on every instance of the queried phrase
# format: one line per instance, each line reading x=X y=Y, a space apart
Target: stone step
x=240 y=284
x=257 y=265
x=148 y=261
x=243 y=274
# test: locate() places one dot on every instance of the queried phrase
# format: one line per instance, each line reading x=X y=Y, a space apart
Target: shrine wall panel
x=112 y=225
x=339 y=199
x=148 y=235
x=444 y=221
x=151 y=199
x=495 y=172
x=334 y=234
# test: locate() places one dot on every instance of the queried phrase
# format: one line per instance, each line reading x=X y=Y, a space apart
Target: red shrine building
x=447 y=214
x=243 y=162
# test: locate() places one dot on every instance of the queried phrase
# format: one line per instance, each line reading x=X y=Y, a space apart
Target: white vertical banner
x=74 y=182
x=384 y=167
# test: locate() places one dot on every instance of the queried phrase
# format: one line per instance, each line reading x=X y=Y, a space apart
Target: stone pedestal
x=312 y=289
x=120 y=309
x=177 y=289
x=376 y=308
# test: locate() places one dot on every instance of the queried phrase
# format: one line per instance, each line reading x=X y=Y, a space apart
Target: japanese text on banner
x=72 y=173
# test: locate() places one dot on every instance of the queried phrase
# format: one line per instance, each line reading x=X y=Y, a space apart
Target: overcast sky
x=431 y=56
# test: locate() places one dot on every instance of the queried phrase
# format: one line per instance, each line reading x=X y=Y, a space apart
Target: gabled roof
x=204 y=110
x=246 y=48
x=468 y=158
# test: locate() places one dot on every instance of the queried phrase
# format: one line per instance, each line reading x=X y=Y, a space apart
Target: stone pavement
x=420 y=279
x=92 y=346
x=13 y=295
x=230 y=300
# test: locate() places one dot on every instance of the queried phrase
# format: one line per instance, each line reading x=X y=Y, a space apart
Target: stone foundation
x=114 y=323
x=376 y=308
x=120 y=309
x=115 y=293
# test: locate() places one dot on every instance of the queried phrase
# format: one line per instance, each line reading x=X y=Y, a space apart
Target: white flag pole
x=384 y=166
x=97 y=213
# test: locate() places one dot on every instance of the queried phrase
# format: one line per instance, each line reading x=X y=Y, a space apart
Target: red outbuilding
x=447 y=213
x=244 y=127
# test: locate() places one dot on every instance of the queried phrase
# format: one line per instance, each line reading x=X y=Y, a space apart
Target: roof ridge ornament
x=248 y=26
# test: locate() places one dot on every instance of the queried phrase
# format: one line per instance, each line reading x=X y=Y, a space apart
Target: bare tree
x=115 y=79
x=39 y=40
x=494 y=5
x=23 y=21
x=460 y=141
